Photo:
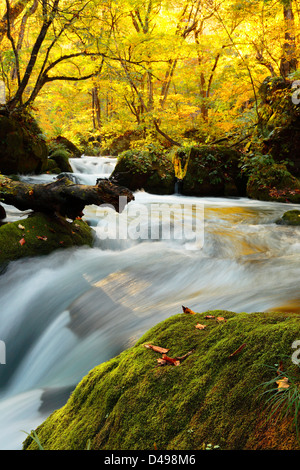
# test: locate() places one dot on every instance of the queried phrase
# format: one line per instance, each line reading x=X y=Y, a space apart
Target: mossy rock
x=73 y=150
x=40 y=234
x=274 y=183
x=22 y=146
x=213 y=170
x=58 y=160
x=131 y=403
x=151 y=171
x=278 y=132
x=290 y=218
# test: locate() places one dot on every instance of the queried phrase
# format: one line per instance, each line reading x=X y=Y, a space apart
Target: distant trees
x=165 y=65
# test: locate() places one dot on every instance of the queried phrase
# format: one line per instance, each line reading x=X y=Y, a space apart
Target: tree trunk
x=288 y=62
x=63 y=197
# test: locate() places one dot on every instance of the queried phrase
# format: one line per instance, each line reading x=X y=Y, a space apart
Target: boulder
x=23 y=149
x=73 y=150
x=40 y=234
x=148 y=170
x=274 y=183
x=217 y=392
x=279 y=131
x=212 y=170
x=290 y=218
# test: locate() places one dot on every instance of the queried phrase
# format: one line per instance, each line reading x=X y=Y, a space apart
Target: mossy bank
x=40 y=234
x=131 y=403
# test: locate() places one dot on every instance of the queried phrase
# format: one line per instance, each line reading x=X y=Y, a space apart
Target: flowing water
x=64 y=313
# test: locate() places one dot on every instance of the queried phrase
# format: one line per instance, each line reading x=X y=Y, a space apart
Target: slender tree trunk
x=96 y=108
x=289 y=61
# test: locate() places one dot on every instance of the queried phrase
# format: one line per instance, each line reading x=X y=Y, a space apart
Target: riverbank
x=216 y=393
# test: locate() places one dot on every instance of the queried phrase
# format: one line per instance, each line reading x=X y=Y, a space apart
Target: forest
x=135 y=343
x=173 y=71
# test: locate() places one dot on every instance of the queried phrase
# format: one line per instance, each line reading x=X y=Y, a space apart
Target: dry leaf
x=156 y=348
x=175 y=362
x=30 y=192
x=41 y=238
x=22 y=241
x=219 y=319
x=283 y=383
x=188 y=310
x=200 y=327
x=21 y=227
x=238 y=350
x=209 y=317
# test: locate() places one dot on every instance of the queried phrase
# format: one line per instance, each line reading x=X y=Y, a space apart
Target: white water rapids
x=64 y=313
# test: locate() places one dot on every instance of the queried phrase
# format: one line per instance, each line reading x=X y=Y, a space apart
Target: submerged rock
x=40 y=234
x=290 y=218
x=215 y=396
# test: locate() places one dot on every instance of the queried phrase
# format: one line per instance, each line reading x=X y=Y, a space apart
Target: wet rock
x=290 y=218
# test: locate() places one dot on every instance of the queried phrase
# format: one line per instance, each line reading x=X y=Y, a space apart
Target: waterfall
x=64 y=313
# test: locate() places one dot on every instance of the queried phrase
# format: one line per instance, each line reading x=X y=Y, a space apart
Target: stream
x=64 y=313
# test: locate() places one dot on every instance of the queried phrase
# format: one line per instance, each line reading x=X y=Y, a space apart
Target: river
x=64 y=313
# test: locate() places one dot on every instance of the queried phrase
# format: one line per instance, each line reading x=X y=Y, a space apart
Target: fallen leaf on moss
x=200 y=327
x=171 y=360
x=157 y=348
x=238 y=350
x=209 y=317
x=283 y=383
x=22 y=241
x=219 y=319
x=42 y=238
x=188 y=310
x=30 y=192
x=21 y=227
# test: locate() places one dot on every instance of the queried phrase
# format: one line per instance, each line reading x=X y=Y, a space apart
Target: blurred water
x=64 y=313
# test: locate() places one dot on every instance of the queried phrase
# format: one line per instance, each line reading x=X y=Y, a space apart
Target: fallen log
x=62 y=197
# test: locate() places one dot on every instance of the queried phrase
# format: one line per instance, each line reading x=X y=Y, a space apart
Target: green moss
x=212 y=170
x=150 y=170
x=131 y=403
x=290 y=218
x=274 y=183
x=56 y=233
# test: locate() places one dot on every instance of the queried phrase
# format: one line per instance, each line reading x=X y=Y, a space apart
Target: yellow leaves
x=200 y=327
x=283 y=384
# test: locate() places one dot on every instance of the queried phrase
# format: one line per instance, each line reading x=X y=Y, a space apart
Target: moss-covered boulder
x=22 y=145
x=59 y=154
x=215 y=396
x=273 y=183
x=278 y=132
x=290 y=218
x=212 y=170
x=150 y=170
x=61 y=141
x=40 y=234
